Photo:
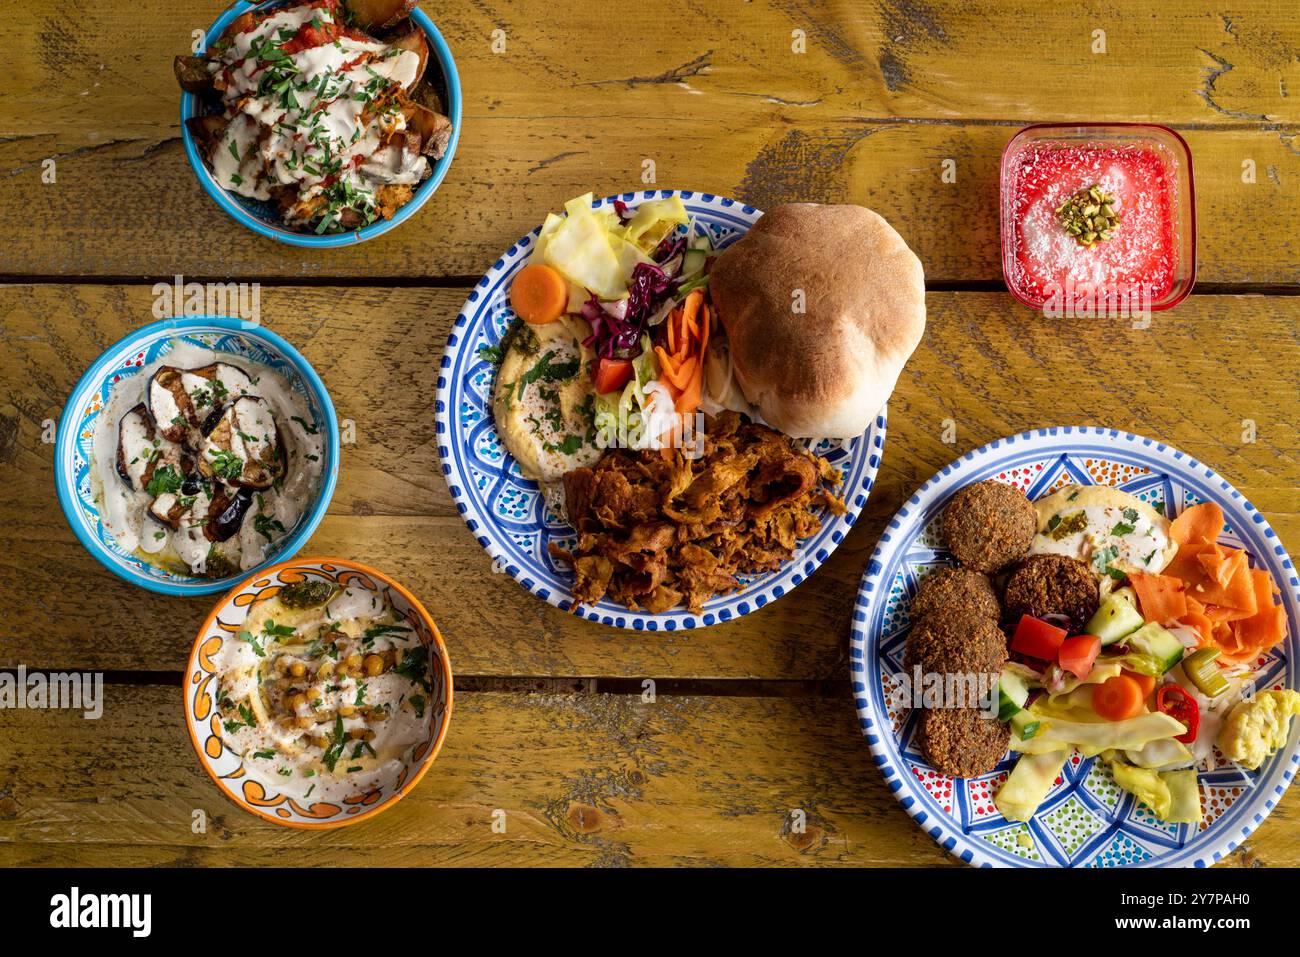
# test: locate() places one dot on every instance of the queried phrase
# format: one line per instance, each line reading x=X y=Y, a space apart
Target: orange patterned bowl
x=298 y=751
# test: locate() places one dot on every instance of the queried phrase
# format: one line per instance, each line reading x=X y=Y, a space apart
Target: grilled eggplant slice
x=224 y=382
x=226 y=516
x=170 y=405
x=193 y=75
x=378 y=14
x=243 y=446
x=181 y=400
x=204 y=505
x=142 y=453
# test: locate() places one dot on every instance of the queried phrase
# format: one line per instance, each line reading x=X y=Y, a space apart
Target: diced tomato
x=1037 y=639
x=611 y=374
x=310 y=35
x=1078 y=653
x=1179 y=705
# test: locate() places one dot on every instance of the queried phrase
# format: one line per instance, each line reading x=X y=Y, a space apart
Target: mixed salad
x=639 y=281
x=1159 y=685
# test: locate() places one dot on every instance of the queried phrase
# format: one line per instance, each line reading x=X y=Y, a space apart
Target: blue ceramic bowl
x=126 y=357
x=262 y=217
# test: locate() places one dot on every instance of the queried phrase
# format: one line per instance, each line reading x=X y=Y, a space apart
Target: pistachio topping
x=1090 y=215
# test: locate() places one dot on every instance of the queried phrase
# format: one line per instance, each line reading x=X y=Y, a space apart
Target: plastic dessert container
x=1143 y=250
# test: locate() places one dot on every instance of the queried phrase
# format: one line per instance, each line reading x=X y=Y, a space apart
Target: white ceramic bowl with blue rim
x=507 y=513
x=262 y=217
x=1086 y=820
x=239 y=339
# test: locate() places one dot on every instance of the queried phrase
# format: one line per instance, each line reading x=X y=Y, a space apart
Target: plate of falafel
x=1042 y=570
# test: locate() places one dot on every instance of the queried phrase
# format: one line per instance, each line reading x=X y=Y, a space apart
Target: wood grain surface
x=1195 y=378
x=767 y=101
x=715 y=96
x=584 y=780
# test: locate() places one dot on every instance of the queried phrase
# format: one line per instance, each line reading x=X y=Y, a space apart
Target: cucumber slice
x=1013 y=692
x=692 y=262
x=1157 y=642
x=1025 y=724
x=1116 y=618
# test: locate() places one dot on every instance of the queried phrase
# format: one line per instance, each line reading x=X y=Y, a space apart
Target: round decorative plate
x=508 y=514
x=240 y=340
x=1086 y=820
x=226 y=768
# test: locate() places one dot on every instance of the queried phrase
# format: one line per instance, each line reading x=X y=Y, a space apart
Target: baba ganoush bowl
x=260 y=757
x=262 y=217
x=84 y=479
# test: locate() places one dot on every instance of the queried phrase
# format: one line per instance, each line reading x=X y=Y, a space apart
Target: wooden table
x=752 y=719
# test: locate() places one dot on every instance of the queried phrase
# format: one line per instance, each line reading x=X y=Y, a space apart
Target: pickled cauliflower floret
x=1258 y=727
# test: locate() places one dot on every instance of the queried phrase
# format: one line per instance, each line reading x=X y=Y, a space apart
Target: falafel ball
x=956 y=644
x=962 y=742
x=955 y=590
x=989 y=525
x=1044 y=585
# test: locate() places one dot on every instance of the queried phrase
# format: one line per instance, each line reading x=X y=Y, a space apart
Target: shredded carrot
x=1161 y=597
x=1200 y=523
x=1230 y=605
x=681 y=364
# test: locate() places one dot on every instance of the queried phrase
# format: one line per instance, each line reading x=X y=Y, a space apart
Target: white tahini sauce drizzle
x=124 y=510
x=291 y=752
x=307 y=119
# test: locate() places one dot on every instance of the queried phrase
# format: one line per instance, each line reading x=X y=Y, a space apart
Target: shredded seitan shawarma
x=655 y=532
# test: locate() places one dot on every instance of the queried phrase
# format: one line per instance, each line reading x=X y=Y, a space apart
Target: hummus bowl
x=84 y=479
x=360 y=738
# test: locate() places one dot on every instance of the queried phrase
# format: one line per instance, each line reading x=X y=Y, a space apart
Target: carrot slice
x=1118 y=698
x=1200 y=523
x=539 y=294
x=1162 y=598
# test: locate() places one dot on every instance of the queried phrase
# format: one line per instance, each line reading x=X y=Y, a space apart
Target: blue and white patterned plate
x=125 y=358
x=1086 y=820
x=507 y=513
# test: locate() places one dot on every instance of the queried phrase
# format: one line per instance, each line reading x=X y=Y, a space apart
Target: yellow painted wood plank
x=584 y=780
x=1201 y=377
x=718 y=101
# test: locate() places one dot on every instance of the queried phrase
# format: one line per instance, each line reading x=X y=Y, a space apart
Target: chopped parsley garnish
x=267 y=754
x=226 y=464
x=415 y=667
x=252 y=640
x=337 y=740
x=165 y=479
x=309 y=429
x=1101 y=562
x=569 y=445
x=264 y=525
x=374 y=631
x=547 y=371
x=272 y=630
